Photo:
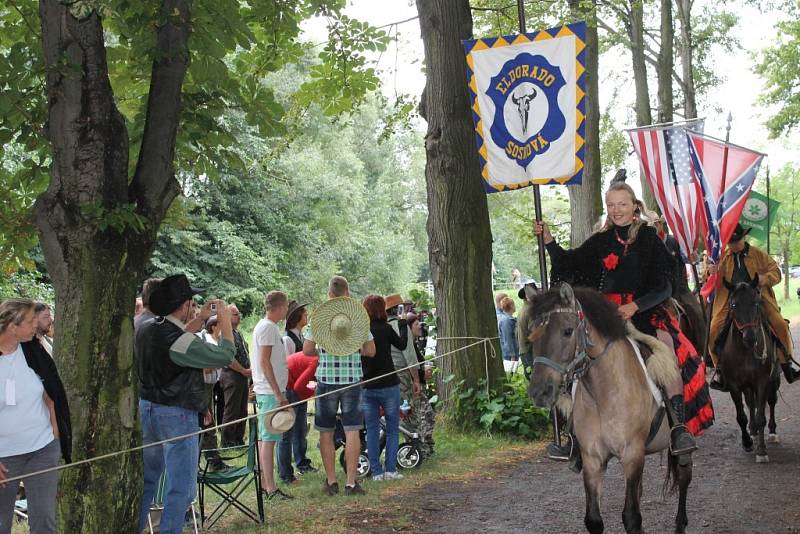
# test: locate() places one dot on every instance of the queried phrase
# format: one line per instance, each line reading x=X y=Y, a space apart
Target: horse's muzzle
x=542 y=393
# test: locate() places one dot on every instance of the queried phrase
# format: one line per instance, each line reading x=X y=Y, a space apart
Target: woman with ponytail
x=627 y=262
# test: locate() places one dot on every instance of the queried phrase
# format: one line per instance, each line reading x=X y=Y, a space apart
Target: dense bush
x=507 y=412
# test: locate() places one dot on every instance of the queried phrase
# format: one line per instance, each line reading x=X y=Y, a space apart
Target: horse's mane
x=601 y=313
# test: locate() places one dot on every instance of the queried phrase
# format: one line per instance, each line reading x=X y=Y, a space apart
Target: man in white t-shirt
x=270 y=376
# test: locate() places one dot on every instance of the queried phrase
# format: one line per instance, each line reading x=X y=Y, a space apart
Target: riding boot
x=682 y=442
x=718 y=380
x=790 y=373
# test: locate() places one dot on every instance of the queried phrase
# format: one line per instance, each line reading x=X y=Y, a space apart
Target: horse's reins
x=758 y=323
x=582 y=361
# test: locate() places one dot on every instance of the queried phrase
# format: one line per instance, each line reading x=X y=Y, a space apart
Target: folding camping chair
x=158 y=504
x=21 y=509
x=238 y=476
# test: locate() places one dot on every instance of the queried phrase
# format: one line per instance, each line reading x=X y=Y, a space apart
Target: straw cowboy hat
x=392 y=301
x=340 y=326
x=280 y=421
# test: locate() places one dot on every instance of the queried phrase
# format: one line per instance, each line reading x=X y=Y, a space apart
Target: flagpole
x=537 y=196
x=537 y=207
x=665 y=125
x=724 y=173
x=768 y=203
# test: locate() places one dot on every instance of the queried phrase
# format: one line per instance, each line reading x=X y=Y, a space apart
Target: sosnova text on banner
x=528 y=105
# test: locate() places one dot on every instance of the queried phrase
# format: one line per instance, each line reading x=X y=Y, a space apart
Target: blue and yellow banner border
x=578 y=29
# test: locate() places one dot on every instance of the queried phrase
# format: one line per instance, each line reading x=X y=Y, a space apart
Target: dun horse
x=747 y=356
x=578 y=336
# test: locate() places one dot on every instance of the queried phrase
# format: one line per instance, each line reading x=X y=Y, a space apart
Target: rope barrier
x=86 y=461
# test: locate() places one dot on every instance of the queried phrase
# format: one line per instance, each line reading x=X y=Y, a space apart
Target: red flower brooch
x=611 y=261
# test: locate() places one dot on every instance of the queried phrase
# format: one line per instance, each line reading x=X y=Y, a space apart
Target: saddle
x=726 y=329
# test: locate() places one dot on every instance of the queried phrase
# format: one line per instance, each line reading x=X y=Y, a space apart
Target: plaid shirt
x=337 y=370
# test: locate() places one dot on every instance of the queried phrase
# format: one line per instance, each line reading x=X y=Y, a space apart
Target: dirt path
x=730 y=493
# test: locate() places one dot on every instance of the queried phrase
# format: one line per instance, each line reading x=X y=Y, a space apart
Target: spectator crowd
x=361 y=361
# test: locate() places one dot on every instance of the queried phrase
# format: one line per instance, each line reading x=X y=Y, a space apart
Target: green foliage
x=119 y=218
x=514 y=245
x=507 y=412
x=333 y=199
x=422 y=299
x=233 y=48
x=26 y=284
x=780 y=67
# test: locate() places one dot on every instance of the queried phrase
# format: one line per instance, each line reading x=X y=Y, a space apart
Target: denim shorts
x=349 y=400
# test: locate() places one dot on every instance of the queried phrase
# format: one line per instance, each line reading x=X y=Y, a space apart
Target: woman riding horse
x=627 y=262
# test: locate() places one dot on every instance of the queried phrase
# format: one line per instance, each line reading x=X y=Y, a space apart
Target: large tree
x=460 y=241
x=780 y=67
x=93 y=94
x=584 y=200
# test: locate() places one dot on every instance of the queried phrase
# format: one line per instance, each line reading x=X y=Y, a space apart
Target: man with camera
x=170 y=362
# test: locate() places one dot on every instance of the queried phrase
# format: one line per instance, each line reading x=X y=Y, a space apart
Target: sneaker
x=307 y=469
x=278 y=495
x=378 y=478
x=290 y=481
x=392 y=475
x=330 y=489
x=354 y=490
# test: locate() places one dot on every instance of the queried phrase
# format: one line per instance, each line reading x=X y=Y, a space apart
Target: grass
x=458 y=457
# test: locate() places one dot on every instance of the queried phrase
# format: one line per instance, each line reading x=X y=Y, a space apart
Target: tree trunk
x=665 y=64
x=95 y=267
x=686 y=50
x=585 y=201
x=644 y=116
x=460 y=245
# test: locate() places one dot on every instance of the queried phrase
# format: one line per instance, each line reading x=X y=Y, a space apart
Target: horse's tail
x=671 y=480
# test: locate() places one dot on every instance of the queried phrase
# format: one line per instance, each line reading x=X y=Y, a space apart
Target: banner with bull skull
x=527 y=94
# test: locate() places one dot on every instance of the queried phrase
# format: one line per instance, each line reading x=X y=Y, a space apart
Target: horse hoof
x=747 y=448
x=762 y=459
x=773 y=438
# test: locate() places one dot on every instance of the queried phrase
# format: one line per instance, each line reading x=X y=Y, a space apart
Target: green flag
x=754 y=215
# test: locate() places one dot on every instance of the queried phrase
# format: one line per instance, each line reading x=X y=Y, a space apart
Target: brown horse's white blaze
x=613 y=406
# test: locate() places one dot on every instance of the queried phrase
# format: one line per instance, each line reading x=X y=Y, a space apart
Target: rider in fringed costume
x=628 y=262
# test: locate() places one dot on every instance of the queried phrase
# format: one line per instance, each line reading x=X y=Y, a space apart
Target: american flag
x=725 y=174
x=664 y=157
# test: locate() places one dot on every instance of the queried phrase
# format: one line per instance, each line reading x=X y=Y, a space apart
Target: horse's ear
x=727 y=284
x=754 y=282
x=567 y=295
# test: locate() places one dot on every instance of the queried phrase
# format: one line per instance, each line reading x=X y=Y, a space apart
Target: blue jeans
x=179 y=458
x=294 y=440
x=336 y=397
x=372 y=401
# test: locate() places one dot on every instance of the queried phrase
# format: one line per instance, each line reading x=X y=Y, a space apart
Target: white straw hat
x=340 y=326
x=280 y=421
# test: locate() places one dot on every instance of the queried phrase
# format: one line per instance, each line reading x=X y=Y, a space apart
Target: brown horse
x=747 y=356
x=579 y=337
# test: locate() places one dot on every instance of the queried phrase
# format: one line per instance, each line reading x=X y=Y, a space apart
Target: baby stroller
x=408 y=452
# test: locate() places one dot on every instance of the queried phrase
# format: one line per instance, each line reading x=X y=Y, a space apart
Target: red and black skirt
x=696 y=395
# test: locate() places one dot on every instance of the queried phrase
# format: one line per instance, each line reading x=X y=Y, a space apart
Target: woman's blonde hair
x=13 y=311
x=641 y=215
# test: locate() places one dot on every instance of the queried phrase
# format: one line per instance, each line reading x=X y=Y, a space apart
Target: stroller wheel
x=362 y=470
x=408 y=456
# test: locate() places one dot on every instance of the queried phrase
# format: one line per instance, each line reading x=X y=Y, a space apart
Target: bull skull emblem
x=523 y=104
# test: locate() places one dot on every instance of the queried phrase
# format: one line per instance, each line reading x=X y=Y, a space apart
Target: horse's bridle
x=758 y=323
x=581 y=361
